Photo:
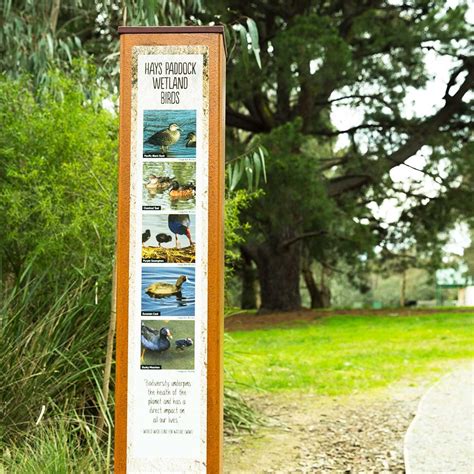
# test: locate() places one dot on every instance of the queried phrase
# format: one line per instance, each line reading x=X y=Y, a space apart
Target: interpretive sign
x=170 y=250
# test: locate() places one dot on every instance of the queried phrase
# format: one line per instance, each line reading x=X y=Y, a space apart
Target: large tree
x=370 y=55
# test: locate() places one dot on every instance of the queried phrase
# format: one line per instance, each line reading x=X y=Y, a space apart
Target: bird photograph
x=183 y=343
x=163 y=238
x=171 y=239
x=169 y=186
x=156 y=183
x=167 y=344
x=154 y=340
x=163 y=289
x=166 y=132
x=191 y=140
x=165 y=138
x=168 y=291
x=180 y=224
x=145 y=236
x=185 y=191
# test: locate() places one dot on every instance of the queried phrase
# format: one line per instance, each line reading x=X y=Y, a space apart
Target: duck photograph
x=167 y=345
x=168 y=238
x=169 y=186
x=169 y=134
x=168 y=291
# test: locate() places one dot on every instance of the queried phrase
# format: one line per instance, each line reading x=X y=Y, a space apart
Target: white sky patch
x=314 y=65
x=427 y=101
x=109 y=105
x=459 y=239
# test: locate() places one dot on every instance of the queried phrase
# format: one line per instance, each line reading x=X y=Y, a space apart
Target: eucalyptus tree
x=36 y=35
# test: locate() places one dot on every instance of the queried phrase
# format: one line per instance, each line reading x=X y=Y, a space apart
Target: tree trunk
x=403 y=287
x=320 y=295
x=279 y=271
x=325 y=289
x=248 y=275
x=311 y=285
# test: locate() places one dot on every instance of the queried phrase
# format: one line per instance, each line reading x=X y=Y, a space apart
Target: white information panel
x=167 y=337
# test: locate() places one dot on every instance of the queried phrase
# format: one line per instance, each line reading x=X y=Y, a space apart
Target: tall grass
x=60 y=447
x=51 y=364
x=238 y=413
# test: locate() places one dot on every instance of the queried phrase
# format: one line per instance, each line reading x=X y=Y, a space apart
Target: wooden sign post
x=170 y=256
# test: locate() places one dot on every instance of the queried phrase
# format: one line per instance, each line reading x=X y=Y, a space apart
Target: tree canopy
x=294 y=68
x=323 y=179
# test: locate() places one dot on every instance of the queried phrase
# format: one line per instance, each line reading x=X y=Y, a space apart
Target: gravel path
x=441 y=437
x=309 y=433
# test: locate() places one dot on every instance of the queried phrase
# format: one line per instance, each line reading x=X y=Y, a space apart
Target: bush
x=57 y=181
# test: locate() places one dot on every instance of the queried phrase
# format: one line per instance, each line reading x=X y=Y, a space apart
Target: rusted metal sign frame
x=213 y=39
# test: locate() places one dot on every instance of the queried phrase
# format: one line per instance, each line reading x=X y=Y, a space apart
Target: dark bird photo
x=146 y=235
x=183 y=343
x=191 y=140
x=179 y=224
x=163 y=239
x=167 y=132
x=156 y=342
x=165 y=138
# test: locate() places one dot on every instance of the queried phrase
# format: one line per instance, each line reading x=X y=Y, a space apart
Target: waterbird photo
x=168 y=238
x=169 y=134
x=168 y=291
x=169 y=186
x=167 y=344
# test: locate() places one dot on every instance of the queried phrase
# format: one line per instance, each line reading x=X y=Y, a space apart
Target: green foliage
x=57 y=180
x=250 y=164
x=294 y=192
x=235 y=230
x=344 y=354
x=317 y=57
x=38 y=35
x=58 y=188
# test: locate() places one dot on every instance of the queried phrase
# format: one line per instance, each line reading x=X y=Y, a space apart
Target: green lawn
x=343 y=354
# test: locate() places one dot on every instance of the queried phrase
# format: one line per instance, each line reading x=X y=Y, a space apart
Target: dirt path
x=310 y=433
x=249 y=321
